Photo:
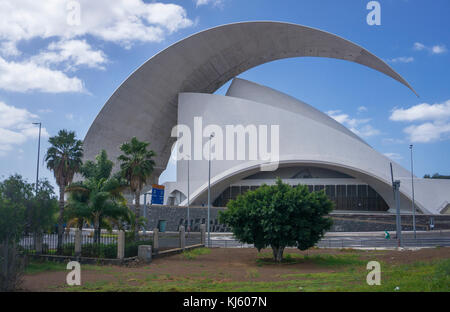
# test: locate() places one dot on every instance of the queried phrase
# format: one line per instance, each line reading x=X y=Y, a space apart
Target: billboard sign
x=157 y=194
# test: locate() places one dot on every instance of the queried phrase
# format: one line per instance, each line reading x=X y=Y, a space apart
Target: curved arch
x=380 y=185
x=145 y=105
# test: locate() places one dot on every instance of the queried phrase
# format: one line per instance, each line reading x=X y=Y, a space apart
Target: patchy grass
x=415 y=277
x=35 y=267
x=299 y=272
x=322 y=260
x=194 y=253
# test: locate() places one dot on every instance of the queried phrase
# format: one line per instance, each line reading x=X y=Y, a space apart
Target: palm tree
x=97 y=199
x=64 y=159
x=136 y=166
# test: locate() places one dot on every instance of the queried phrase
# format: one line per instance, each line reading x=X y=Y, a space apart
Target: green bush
x=68 y=249
x=131 y=248
x=106 y=251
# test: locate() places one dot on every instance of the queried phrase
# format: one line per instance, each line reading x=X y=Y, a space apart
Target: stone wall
x=343 y=222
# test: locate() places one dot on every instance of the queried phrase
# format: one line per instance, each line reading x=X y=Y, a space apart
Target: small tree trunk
x=278 y=253
x=61 y=218
x=137 y=214
x=97 y=232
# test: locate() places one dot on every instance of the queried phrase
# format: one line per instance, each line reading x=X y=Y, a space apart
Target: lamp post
x=188 y=198
x=209 y=192
x=412 y=185
x=39 y=149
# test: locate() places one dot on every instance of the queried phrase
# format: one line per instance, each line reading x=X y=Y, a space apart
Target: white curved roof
x=146 y=104
x=307 y=137
x=248 y=90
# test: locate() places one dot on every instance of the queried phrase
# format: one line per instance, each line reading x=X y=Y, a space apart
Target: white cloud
x=123 y=22
x=362 y=109
x=393 y=156
x=28 y=76
x=358 y=126
x=72 y=54
x=419 y=46
x=436 y=49
x=436 y=127
x=206 y=2
x=9 y=48
x=16 y=127
x=45 y=110
x=428 y=132
x=69 y=116
x=402 y=59
x=422 y=111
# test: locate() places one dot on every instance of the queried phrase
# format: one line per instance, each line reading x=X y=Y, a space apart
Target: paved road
x=331 y=240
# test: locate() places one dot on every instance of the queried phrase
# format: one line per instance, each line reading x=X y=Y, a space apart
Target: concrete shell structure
x=307 y=137
x=177 y=84
x=146 y=104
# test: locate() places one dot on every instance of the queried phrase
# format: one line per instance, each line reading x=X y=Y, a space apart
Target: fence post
x=155 y=239
x=182 y=237
x=203 y=234
x=38 y=240
x=121 y=245
x=78 y=236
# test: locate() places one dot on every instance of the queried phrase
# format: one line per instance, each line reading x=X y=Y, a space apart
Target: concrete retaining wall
x=343 y=222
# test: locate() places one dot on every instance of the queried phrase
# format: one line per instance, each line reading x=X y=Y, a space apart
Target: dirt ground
x=226 y=264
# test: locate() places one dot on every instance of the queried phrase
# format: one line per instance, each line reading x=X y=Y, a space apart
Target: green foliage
x=41 y=216
x=11 y=267
x=279 y=216
x=194 y=253
x=35 y=267
x=136 y=167
x=64 y=157
x=436 y=176
x=15 y=197
x=97 y=199
x=106 y=251
x=95 y=250
x=136 y=163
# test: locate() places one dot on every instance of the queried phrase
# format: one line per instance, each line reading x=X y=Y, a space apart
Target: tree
x=436 y=176
x=136 y=166
x=98 y=198
x=14 y=195
x=64 y=158
x=279 y=216
x=44 y=206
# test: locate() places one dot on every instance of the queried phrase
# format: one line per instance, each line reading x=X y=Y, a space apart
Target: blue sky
x=60 y=72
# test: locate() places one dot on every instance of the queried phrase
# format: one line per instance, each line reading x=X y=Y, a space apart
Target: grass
x=322 y=260
x=415 y=277
x=35 y=267
x=194 y=253
x=348 y=274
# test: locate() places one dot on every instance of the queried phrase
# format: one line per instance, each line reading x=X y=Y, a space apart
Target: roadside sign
x=157 y=194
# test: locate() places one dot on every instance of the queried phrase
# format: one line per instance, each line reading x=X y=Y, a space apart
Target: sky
x=61 y=60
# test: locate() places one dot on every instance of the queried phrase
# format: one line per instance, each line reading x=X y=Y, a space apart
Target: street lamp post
x=209 y=192
x=412 y=185
x=39 y=149
x=188 y=199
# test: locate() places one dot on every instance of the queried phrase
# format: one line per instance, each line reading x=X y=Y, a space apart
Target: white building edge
x=311 y=143
x=178 y=83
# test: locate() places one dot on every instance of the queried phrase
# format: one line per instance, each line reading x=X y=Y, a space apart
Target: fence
x=110 y=245
x=349 y=243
